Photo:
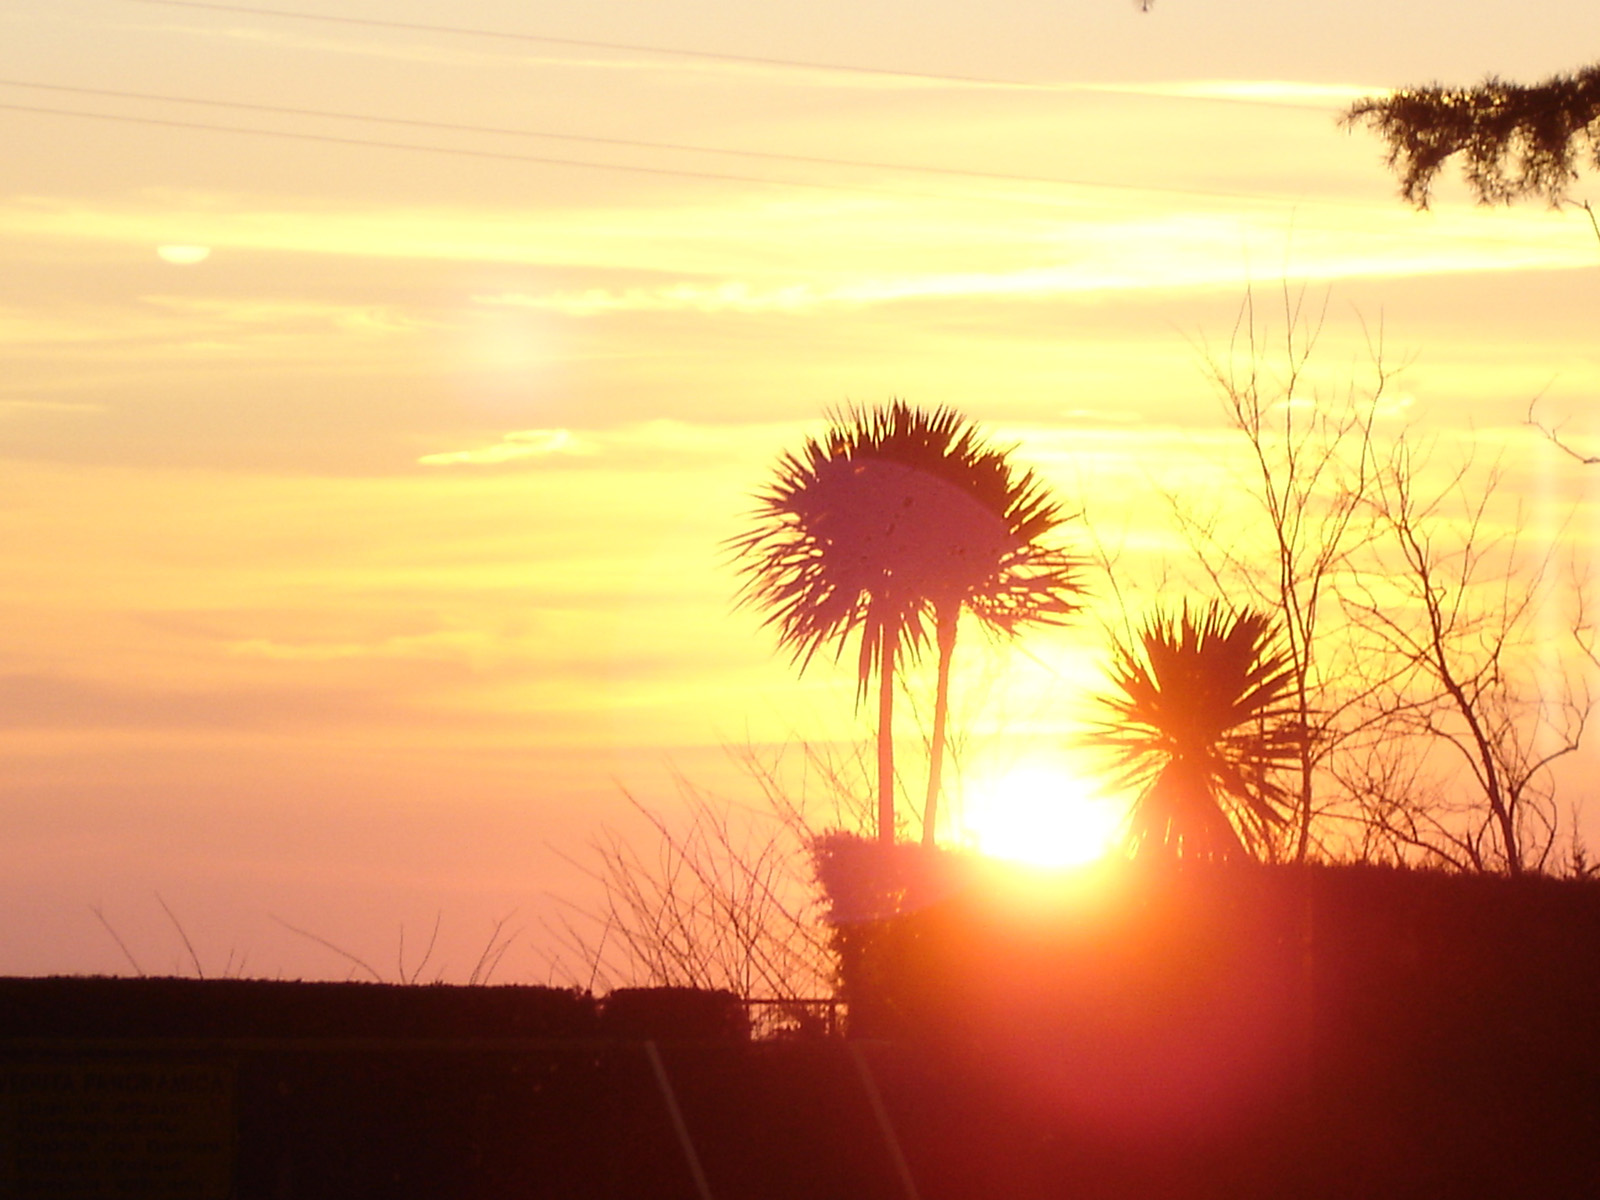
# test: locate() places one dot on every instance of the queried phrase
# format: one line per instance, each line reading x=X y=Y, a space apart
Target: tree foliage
x=1514 y=140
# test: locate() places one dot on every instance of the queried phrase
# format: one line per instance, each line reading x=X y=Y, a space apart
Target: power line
x=671 y=172
x=797 y=64
x=630 y=143
x=462 y=152
x=589 y=44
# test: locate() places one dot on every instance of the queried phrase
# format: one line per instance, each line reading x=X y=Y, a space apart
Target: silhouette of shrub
x=199 y=1008
x=673 y=1013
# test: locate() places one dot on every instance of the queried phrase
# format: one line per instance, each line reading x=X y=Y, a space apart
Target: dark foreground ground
x=1249 y=1035
x=189 y=1089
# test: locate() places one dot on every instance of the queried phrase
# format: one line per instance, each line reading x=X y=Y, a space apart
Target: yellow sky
x=360 y=561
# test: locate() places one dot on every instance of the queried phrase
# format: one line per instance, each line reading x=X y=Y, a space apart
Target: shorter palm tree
x=1202 y=720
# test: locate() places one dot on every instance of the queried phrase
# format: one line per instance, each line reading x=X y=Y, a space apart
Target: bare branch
x=117 y=938
x=340 y=951
x=183 y=935
x=721 y=896
x=1552 y=434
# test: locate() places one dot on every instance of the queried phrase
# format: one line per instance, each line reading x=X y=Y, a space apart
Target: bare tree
x=1433 y=699
x=1312 y=465
x=1484 y=705
x=721 y=893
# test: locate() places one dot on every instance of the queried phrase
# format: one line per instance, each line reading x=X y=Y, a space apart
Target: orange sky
x=359 y=564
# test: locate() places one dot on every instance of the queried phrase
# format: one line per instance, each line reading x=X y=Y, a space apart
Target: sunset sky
x=379 y=395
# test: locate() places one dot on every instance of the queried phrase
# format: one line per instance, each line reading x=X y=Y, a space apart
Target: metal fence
x=795 y=1018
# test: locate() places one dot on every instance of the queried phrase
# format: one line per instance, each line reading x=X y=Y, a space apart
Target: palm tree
x=895 y=517
x=1204 y=716
x=1007 y=582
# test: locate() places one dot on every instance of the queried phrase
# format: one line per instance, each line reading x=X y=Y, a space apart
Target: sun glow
x=1041 y=815
x=183 y=256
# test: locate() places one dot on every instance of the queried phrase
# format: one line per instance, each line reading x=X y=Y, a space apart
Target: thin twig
x=339 y=950
x=117 y=938
x=494 y=949
x=1553 y=434
x=183 y=934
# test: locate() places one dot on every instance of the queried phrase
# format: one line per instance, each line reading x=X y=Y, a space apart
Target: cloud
x=709 y=298
x=18 y=407
x=513 y=447
x=801 y=253
x=578 y=55
x=657 y=445
x=50 y=702
x=581 y=55
x=183 y=255
x=1246 y=91
x=284 y=312
x=476 y=647
x=1102 y=416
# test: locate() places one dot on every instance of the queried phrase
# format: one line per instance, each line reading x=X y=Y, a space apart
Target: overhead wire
x=795 y=64
x=627 y=143
x=590 y=44
x=591 y=139
x=459 y=151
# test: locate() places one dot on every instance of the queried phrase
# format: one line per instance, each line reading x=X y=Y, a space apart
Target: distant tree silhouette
x=896 y=518
x=1203 y=716
x=1515 y=140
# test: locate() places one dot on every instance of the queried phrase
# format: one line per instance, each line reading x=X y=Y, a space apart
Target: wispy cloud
x=656 y=445
x=19 y=407
x=1245 y=91
x=446 y=645
x=516 y=446
x=593 y=56
x=574 y=54
x=1101 y=416
x=1182 y=250
x=733 y=296
x=348 y=318
x=819 y=250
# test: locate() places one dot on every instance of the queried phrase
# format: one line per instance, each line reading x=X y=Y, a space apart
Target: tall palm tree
x=1203 y=718
x=1006 y=581
x=894 y=518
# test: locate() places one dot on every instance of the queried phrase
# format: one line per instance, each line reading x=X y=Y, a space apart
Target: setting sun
x=1041 y=815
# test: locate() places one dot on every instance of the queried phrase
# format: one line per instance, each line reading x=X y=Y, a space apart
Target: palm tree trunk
x=945 y=619
x=886 y=667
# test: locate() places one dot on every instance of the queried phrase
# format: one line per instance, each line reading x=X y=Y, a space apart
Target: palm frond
x=1200 y=722
x=891 y=513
